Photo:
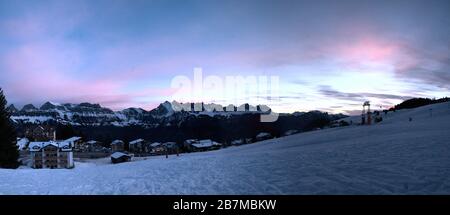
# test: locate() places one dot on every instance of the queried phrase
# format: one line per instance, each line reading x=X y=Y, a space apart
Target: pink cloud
x=367 y=49
x=350 y=53
x=36 y=72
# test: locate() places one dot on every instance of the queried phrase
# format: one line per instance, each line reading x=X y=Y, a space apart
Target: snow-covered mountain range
x=96 y=115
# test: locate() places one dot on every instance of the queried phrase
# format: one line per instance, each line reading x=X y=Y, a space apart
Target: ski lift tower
x=366 y=114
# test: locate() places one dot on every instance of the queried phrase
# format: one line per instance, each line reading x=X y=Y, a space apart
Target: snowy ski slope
x=395 y=156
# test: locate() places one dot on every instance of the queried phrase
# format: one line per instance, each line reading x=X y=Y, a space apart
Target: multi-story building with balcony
x=51 y=154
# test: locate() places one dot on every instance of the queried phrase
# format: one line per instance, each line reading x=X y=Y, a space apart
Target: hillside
x=396 y=156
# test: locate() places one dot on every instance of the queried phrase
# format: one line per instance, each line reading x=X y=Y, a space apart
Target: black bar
x=283 y=205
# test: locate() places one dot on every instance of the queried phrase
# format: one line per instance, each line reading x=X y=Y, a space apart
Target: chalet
x=117 y=146
x=119 y=157
x=263 y=136
x=205 y=145
x=93 y=146
x=137 y=146
x=154 y=145
x=51 y=154
x=40 y=133
x=171 y=147
x=157 y=148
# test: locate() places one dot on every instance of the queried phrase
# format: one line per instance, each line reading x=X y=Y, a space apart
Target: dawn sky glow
x=329 y=55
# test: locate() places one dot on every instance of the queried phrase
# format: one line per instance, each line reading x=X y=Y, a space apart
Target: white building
x=51 y=154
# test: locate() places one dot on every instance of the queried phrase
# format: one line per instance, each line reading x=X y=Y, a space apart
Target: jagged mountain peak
x=29 y=107
x=49 y=105
x=133 y=110
x=163 y=110
x=12 y=109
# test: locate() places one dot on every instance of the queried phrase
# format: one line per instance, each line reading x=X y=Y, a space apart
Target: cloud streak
x=358 y=97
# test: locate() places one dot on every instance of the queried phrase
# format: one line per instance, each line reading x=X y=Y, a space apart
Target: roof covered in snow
x=263 y=134
x=137 y=141
x=65 y=146
x=50 y=143
x=92 y=142
x=205 y=144
x=155 y=144
x=117 y=155
x=117 y=142
x=170 y=144
x=191 y=141
x=62 y=145
x=35 y=146
x=73 y=139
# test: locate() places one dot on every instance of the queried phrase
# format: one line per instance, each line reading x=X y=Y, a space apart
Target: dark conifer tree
x=9 y=153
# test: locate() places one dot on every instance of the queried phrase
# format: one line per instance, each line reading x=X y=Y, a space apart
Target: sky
x=325 y=55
